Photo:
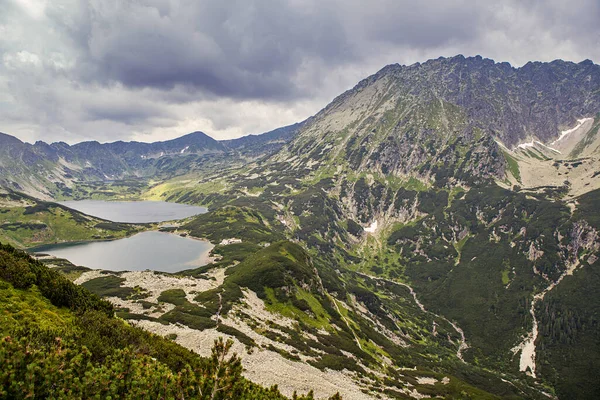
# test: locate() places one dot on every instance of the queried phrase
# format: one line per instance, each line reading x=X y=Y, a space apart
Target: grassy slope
x=127 y=189
x=488 y=289
x=319 y=224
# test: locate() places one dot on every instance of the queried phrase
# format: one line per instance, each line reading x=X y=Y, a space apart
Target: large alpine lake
x=152 y=250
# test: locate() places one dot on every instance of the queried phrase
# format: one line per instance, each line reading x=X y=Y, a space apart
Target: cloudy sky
x=152 y=70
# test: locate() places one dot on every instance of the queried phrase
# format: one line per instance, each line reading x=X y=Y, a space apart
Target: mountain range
x=433 y=231
x=50 y=170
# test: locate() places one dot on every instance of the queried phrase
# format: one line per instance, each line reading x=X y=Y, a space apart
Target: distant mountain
x=50 y=170
x=255 y=146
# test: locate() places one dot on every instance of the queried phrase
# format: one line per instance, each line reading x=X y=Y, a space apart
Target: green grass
x=505 y=277
x=513 y=166
x=318 y=317
x=415 y=184
x=128 y=189
x=461 y=243
x=186 y=185
x=232 y=222
x=65 y=267
x=19 y=307
x=534 y=154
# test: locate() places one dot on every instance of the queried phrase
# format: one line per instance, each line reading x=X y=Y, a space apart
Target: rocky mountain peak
x=446 y=114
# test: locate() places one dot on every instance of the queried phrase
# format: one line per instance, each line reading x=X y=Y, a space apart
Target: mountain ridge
x=449 y=114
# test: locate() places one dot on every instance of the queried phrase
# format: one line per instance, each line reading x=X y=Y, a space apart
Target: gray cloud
x=155 y=69
x=235 y=49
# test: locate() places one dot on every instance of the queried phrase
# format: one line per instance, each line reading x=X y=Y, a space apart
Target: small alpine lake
x=157 y=251
x=135 y=212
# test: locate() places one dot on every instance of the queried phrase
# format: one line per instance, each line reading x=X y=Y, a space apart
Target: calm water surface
x=157 y=251
x=134 y=211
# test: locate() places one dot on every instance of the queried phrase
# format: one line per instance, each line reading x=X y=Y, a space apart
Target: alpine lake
x=151 y=250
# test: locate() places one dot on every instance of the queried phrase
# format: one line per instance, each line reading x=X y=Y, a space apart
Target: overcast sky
x=152 y=70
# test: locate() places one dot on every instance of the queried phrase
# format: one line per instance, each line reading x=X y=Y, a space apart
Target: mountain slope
x=445 y=116
x=255 y=146
x=398 y=179
x=58 y=170
x=568 y=165
x=50 y=170
x=412 y=154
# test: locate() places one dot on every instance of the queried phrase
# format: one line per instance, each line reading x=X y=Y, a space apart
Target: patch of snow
x=548 y=147
x=526 y=145
x=184 y=149
x=527 y=346
x=372 y=228
x=563 y=134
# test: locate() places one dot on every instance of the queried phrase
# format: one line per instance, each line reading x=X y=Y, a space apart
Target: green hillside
x=61 y=341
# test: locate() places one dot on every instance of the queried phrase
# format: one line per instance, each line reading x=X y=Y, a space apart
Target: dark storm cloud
x=124 y=111
x=237 y=49
x=253 y=49
x=248 y=49
x=116 y=69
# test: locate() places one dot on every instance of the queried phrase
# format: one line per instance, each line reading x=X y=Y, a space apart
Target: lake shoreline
x=141 y=244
